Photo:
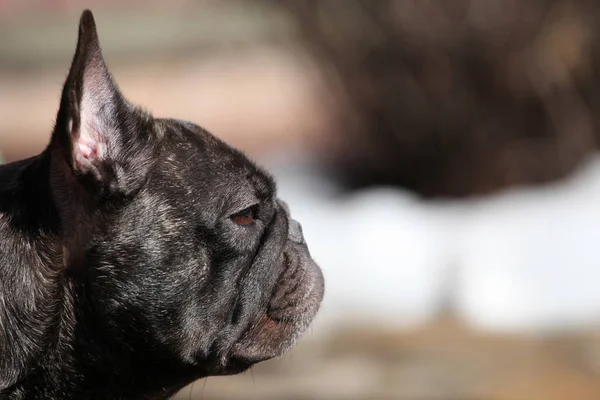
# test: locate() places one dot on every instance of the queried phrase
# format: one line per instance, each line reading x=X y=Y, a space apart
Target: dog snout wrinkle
x=295 y=232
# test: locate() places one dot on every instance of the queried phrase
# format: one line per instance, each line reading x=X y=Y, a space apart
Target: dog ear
x=101 y=135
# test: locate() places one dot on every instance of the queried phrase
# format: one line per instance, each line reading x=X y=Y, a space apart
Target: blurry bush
x=457 y=97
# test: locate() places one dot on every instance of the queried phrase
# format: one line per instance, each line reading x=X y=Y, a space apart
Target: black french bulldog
x=139 y=254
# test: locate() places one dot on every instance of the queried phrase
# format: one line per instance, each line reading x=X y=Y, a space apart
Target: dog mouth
x=292 y=307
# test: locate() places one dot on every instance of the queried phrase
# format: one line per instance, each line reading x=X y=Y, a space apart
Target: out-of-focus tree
x=457 y=97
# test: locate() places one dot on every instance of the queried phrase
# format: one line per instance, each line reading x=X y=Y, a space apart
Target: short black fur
x=122 y=273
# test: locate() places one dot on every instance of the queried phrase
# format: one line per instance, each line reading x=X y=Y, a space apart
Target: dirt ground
x=442 y=361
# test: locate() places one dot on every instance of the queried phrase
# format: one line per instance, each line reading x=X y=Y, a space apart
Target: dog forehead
x=198 y=158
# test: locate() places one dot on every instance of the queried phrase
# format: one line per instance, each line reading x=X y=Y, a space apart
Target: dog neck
x=54 y=341
x=31 y=282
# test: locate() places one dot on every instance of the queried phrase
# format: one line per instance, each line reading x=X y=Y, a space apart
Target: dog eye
x=245 y=217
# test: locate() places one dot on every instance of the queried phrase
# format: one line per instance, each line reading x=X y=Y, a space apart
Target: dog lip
x=235 y=366
x=263 y=341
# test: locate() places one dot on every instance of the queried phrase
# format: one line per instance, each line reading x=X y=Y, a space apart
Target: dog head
x=177 y=242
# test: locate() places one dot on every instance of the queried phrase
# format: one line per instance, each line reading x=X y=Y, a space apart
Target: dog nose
x=295 y=232
x=294 y=228
x=284 y=206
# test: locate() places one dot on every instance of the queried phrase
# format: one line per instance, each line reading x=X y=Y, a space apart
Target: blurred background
x=441 y=155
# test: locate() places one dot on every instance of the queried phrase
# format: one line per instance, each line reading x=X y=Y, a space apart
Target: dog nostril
x=295 y=231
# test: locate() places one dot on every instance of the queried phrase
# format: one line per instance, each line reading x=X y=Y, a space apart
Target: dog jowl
x=138 y=254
